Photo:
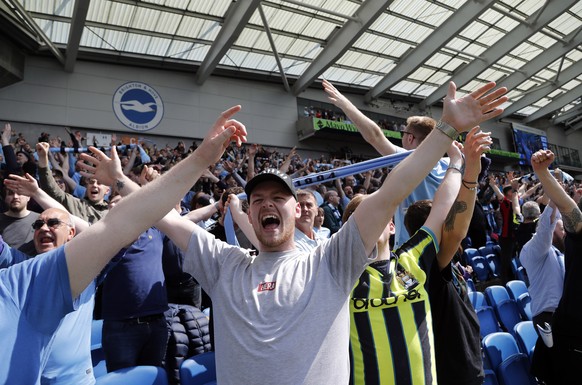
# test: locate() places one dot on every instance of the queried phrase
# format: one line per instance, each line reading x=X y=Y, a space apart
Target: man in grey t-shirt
x=282 y=316
x=16 y=222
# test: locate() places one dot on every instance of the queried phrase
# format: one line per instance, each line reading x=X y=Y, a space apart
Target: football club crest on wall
x=138 y=106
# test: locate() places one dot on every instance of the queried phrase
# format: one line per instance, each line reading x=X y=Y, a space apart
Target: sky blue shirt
x=544 y=265
x=34 y=296
x=425 y=190
x=69 y=361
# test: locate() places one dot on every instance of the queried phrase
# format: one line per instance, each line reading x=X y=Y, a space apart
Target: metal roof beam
x=511 y=40
x=22 y=12
x=557 y=103
x=316 y=8
x=573 y=128
x=75 y=33
x=573 y=112
x=238 y=15
x=544 y=89
x=274 y=48
x=431 y=45
x=541 y=61
x=341 y=42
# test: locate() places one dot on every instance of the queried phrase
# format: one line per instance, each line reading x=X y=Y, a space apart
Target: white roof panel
x=184 y=30
x=121 y=14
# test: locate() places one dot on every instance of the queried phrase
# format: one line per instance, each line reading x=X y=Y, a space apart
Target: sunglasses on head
x=51 y=223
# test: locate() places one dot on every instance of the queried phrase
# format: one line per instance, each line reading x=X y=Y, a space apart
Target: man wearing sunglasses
x=70 y=359
x=52 y=229
x=36 y=294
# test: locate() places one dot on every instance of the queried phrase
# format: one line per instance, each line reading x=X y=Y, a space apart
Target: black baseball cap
x=270 y=174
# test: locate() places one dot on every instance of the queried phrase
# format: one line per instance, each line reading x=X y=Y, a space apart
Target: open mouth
x=270 y=222
x=46 y=240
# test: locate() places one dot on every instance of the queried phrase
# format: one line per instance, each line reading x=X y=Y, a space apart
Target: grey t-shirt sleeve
x=205 y=256
x=345 y=255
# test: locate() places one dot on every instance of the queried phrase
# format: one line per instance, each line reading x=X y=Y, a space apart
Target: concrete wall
x=49 y=98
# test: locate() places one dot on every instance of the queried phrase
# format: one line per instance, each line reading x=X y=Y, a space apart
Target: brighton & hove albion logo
x=138 y=106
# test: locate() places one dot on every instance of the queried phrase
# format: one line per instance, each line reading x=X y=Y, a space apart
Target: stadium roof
x=382 y=48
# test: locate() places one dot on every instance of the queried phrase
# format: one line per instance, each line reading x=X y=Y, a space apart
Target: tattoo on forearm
x=458 y=207
x=119 y=185
x=572 y=219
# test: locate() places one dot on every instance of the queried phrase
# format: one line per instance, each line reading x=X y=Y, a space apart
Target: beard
x=276 y=240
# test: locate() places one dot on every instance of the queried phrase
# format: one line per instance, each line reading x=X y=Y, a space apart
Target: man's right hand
x=22 y=185
x=334 y=96
x=6 y=134
x=541 y=160
x=101 y=167
x=224 y=131
x=42 y=149
x=472 y=109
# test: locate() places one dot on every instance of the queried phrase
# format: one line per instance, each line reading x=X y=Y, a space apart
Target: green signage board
x=505 y=153
x=319 y=124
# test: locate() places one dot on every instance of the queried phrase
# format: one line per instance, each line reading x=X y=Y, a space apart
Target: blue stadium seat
x=470 y=253
x=493 y=263
x=522 y=275
x=508 y=314
x=96 y=334
x=515 y=264
x=487 y=321
x=477 y=299
x=137 y=375
x=499 y=347
x=516 y=288
x=490 y=377
x=488 y=249
x=524 y=306
x=515 y=370
x=471 y=285
x=526 y=337
x=198 y=370
x=480 y=268
x=495 y=294
x=97 y=354
x=99 y=365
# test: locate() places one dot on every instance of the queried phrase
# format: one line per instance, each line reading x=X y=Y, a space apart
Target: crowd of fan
x=133 y=295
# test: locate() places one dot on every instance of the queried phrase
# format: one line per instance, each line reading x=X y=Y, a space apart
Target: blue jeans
x=134 y=342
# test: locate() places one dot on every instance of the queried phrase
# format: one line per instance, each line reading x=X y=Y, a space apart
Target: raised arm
x=203 y=213
x=9 y=156
x=571 y=215
x=46 y=179
x=252 y=152
x=27 y=185
x=284 y=167
x=456 y=224
x=444 y=196
x=241 y=219
x=371 y=132
x=63 y=167
x=461 y=114
x=495 y=188
x=131 y=161
x=134 y=214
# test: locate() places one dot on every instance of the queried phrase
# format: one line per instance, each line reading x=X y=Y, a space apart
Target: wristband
x=447 y=129
x=467 y=185
x=455 y=168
